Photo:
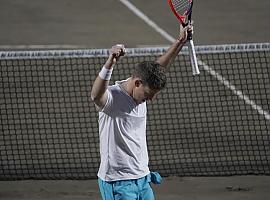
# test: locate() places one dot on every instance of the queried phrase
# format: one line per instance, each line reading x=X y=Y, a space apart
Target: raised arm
x=175 y=48
x=98 y=92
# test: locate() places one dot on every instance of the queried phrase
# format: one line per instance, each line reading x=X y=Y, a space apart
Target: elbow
x=93 y=96
x=97 y=95
x=97 y=99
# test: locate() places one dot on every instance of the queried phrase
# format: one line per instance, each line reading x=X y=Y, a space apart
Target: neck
x=127 y=86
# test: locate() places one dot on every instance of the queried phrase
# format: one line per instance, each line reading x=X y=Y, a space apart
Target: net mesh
x=214 y=124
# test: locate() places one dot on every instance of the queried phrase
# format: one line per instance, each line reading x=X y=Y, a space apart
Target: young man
x=124 y=172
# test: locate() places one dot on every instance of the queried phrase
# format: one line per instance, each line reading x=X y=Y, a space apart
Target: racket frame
x=182 y=19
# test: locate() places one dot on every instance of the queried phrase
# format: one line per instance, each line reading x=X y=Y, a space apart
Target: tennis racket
x=182 y=9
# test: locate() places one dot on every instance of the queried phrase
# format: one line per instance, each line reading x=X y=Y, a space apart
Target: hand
x=183 y=32
x=116 y=52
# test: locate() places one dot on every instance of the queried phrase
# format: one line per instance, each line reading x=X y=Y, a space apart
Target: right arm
x=98 y=92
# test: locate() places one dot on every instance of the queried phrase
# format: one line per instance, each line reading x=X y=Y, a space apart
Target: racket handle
x=193 y=58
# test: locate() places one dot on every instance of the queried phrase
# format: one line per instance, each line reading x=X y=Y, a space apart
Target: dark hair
x=152 y=74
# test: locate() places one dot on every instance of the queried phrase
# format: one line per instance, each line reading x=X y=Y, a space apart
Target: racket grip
x=193 y=58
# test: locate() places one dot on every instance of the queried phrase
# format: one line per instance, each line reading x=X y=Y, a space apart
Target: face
x=142 y=93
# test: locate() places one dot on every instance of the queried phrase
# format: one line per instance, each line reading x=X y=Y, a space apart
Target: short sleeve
x=108 y=105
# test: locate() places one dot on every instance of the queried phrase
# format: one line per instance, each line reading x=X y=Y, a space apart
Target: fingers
x=189 y=27
x=183 y=32
x=122 y=49
x=182 y=37
x=118 y=50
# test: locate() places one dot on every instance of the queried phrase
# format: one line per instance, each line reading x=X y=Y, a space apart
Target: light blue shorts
x=137 y=189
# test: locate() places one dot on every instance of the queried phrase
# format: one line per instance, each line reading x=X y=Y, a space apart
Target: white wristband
x=105 y=73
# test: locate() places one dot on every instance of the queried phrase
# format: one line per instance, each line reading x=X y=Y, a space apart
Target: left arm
x=175 y=48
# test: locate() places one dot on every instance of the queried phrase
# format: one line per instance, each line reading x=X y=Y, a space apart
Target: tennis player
x=123 y=173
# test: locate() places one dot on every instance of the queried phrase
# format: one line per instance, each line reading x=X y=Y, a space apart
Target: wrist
x=105 y=73
x=180 y=41
x=109 y=63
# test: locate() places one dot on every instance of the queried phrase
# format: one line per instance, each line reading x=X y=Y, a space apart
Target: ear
x=138 y=82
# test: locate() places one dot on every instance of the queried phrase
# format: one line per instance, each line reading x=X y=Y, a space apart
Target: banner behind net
x=214 y=124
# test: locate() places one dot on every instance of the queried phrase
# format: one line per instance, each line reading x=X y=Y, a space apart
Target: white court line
x=235 y=91
x=147 y=20
x=207 y=68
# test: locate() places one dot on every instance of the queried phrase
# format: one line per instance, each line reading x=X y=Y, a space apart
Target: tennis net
x=214 y=124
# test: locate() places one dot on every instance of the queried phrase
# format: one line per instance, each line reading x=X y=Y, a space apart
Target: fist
x=117 y=51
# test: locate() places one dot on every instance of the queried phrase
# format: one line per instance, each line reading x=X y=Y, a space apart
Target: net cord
x=88 y=53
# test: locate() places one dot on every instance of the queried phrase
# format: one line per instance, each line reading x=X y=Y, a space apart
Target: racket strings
x=182 y=6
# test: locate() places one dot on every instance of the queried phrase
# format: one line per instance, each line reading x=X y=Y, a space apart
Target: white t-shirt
x=122 y=131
